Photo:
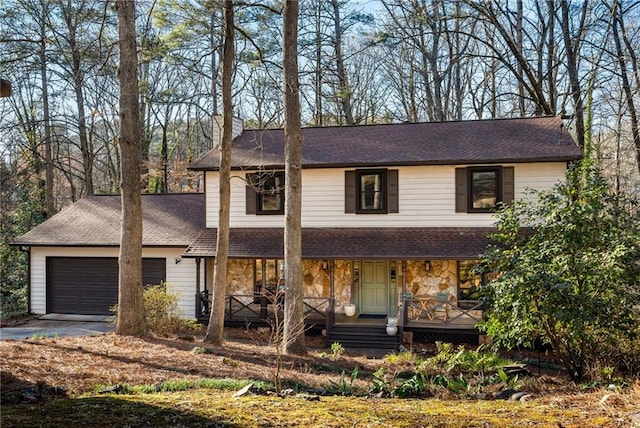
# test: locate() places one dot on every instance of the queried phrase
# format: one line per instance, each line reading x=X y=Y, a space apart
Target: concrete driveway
x=57 y=327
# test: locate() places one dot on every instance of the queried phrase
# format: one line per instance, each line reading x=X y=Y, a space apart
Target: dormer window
x=265 y=193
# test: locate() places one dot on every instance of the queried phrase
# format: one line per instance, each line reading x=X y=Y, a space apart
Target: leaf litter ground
x=82 y=365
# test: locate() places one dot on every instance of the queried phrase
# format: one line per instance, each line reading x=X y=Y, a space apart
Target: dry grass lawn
x=82 y=365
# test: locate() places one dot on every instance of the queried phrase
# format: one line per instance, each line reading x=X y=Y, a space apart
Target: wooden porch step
x=364 y=336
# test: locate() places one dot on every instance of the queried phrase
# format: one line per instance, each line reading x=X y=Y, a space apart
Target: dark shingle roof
x=168 y=220
x=350 y=243
x=536 y=139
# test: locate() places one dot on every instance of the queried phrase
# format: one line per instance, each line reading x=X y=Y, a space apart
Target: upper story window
x=480 y=189
x=265 y=193
x=371 y=191
x=484 y=189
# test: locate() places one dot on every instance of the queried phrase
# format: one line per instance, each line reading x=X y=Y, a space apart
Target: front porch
x=422 y=277
x=451 y=322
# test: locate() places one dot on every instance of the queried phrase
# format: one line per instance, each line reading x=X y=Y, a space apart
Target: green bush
x=412 y=387
x=162 y=312
x=462 y=360
x=572 y=279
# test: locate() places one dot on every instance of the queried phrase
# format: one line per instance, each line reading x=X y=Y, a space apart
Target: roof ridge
x=435 y=122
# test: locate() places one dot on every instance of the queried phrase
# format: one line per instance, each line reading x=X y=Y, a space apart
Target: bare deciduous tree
x=216 y=319
x=131 y=319
x=294 y=292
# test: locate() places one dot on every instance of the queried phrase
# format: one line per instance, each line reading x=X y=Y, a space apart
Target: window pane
x=271 y=193
x=468 y=282
x=258 y=272
x=484 y=189
x=371 y=191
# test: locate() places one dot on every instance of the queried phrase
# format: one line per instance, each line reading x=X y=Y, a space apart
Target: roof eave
x=452 y=162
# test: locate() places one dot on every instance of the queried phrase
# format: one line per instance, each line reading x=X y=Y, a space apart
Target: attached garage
x=89 y=285
x=73 y=256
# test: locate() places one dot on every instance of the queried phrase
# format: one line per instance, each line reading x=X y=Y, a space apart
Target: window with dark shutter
x=371 y=191
x=483 y=189
x=480 y=189
x=265 y=193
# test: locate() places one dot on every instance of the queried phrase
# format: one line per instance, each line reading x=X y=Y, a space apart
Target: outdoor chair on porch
x=204 y=302
x=442 y=305
x=421 y=307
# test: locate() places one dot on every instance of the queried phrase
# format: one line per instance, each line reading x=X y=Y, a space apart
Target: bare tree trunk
x=551 y=73
x=344 y=95
x=318 y=67
x=521 y=70
x=214 y=66
x=293 y=336
x=78 y=84
x=131 y=319
x=49 y=205
x=519 y=44
x=216 y=319
x=626 y=84
x=571 y=51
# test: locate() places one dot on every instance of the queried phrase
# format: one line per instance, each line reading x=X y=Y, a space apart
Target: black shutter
x=252 y=195
x=461 y=190
x=392 y=190
x=508 y=185
x=350 y=192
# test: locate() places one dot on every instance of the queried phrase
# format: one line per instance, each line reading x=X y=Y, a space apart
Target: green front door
x=374 y=291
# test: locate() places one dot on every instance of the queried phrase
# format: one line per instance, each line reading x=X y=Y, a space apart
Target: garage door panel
x=89 y=285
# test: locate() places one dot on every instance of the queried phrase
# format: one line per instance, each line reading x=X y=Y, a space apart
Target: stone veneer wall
x=441 y=277
x=240 y=278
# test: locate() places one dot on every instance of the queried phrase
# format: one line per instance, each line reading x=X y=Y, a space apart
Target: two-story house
x=394 y=217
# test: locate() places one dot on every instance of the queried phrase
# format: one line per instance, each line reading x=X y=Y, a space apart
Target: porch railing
x=429 y=310
x=249 y=307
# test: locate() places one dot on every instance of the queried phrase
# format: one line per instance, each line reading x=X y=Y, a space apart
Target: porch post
x=198 y=303
x=403 y=298
x=263 y=293
x=332 y=294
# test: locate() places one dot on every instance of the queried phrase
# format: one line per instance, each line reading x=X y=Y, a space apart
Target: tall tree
x=69 y=35
x=572 y=43
x=131 y=319
x=626 y=51
x=344 y=90
x=293 y=336
x=49 y=204
x=216 y=319
x=504 y=40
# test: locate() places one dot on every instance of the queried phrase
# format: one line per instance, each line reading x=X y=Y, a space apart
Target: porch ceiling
x=350 y=243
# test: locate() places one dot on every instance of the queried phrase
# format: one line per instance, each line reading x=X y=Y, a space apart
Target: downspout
x=28 y=251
